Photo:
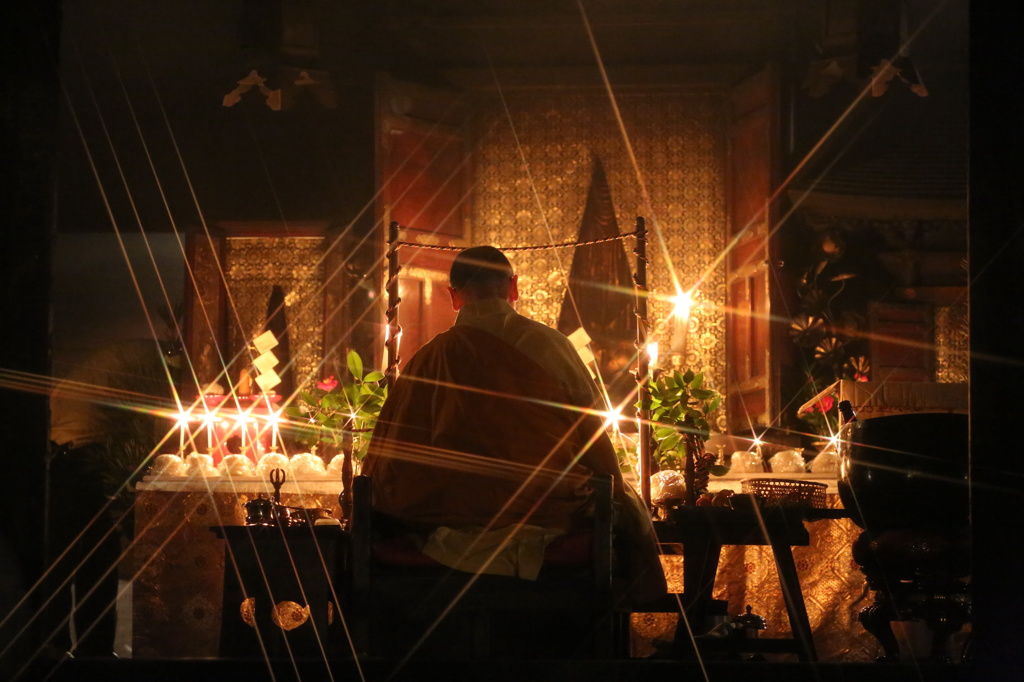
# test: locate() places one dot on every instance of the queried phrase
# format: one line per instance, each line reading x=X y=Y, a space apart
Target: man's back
x=478 y=434
x=492 y=426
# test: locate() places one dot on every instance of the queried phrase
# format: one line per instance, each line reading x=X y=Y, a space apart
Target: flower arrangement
x=334 y=411
x=829 y=343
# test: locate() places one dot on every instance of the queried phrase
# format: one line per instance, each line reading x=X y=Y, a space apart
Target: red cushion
x=571 y=549
x=401 y=551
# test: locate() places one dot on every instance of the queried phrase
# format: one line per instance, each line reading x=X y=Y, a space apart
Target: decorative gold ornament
x=248 y=611
x=288 y=615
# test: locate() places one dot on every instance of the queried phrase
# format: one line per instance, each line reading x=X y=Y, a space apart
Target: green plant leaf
x=702 y=393
x=671 y=442
x=373 y=376
x=355 y=364
x=663 y=433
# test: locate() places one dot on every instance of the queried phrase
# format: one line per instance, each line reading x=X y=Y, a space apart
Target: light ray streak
x=272 y=603
x=813 y=152
x=591 y=38
x=330 y=276
x=231 y=305
x=543 y=213
x=170 y=216
x=627 y=141
x=60 y=558
x=522 y=490
x=110 y=212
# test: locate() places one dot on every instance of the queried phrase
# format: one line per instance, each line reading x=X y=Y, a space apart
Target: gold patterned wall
x=253 y=266
x=952 y=343
x=533 y=168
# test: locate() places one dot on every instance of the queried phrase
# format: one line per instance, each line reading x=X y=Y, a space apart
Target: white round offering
x=199 y=465
x=337 y=462
x=787 y=462
x=746 y=462
x=271 y=461
x=306 y=465
x=667 y=486
x=167 y=465
x=825 y=463
x=236 y=466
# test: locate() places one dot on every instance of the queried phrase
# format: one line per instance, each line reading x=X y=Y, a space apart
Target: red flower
x=328 y=384
x=824 y=405
x=860 y=377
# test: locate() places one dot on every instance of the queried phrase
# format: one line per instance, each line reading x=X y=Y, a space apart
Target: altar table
x=179 y=573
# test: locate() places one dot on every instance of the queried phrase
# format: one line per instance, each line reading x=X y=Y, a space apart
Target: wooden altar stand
x=699 y=534
x=274 y=566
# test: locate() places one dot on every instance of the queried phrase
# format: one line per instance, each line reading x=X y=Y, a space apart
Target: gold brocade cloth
x=179 y=562
x=833 y=586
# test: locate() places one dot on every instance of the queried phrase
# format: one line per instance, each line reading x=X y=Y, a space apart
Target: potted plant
x=681 y=404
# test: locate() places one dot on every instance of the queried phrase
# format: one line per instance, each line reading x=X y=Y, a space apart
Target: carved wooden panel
x=753 y=386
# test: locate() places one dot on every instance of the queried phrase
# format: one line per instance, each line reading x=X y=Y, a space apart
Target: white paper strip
x=266 y=362
x=264 y=342
x=268 y=380
x=579 y=338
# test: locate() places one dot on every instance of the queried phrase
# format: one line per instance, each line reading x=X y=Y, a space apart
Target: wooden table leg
x=794 y=599
x=700 y=566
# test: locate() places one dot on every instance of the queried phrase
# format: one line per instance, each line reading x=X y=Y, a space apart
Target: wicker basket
x=785 y=492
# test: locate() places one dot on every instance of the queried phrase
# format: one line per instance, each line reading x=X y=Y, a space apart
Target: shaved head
x=481 y=272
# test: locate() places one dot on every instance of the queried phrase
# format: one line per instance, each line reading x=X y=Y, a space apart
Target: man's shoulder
x=540 y=330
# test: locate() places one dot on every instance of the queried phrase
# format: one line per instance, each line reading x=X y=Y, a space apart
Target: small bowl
x=236 y=466
x=199 y=465
x=167 y=465
x=306 y=465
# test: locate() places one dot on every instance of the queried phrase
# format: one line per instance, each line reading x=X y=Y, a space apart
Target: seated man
x=488 y=439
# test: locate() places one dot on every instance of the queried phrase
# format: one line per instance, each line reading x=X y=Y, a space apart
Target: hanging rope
x=542 y=247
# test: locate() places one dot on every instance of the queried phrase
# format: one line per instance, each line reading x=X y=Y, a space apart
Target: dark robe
x=475 y=433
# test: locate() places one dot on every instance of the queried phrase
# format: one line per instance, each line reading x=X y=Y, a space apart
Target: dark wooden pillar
x=30 y=32
x=996 y=251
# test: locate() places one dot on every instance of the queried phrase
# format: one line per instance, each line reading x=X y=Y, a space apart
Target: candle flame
x=681 y=304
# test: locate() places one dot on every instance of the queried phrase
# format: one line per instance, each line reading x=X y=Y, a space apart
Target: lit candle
x=274 y=419
x=681 y=304
x=241 y=425
x=182 y=425
x=208 y=419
